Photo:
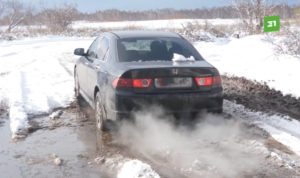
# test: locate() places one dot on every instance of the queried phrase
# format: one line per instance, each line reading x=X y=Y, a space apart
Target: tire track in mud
x=260 y=97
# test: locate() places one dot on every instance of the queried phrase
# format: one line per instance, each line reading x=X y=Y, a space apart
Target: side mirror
x=79 y=52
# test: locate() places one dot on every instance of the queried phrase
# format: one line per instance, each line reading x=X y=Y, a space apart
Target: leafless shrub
x=291 y=43
x=2 y=7
x=14 y=13
x=59 y=19
x=297 y=14
x=252 y=13
x=204 y=32
x=3 y=106
x=287 y=41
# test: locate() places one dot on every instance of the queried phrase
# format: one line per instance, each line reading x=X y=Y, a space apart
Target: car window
x=102 y=48
x=92 y=52
x=155 y=49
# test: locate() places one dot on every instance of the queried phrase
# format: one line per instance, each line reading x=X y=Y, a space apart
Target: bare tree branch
x=15 y=14
x=2 y=8
x=252 y=13
x=58 y=19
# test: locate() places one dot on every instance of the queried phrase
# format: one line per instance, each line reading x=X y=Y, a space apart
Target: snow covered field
x=153 y=24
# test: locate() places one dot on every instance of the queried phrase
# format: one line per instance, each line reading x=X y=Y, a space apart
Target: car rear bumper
x=127 y=103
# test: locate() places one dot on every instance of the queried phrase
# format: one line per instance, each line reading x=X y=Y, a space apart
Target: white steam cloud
x=214 y=147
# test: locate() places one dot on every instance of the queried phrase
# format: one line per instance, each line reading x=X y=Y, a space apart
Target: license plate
x=173 y=82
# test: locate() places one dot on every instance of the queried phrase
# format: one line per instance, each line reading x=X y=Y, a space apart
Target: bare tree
x=14 y=13
x=297 y=14
x=58 y=19
x=2 y=7
x=252 y=13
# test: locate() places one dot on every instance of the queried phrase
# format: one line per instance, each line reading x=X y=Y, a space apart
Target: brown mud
x=260 y=97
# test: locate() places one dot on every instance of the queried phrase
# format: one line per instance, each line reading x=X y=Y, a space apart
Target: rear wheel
x=99 y=113
x=216 y=111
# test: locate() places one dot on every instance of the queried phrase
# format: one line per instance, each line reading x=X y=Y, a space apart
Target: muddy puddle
x=67 y=150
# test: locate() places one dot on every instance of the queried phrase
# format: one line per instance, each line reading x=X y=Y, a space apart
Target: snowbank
x=137 y=169
x=254 y=58
x=37 y=76
x=17 y=113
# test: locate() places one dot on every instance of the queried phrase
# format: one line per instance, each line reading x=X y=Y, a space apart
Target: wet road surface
x=70 y=146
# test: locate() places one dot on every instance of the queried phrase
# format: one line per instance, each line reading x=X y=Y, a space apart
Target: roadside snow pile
x=137 y=169
x=254 y=58
x=181 y=58
x=37 y=77
x=19 y=122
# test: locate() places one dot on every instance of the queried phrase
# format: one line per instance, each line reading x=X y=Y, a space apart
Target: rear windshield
x=155 y=49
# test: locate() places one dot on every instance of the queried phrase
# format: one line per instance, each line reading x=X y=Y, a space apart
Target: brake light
x=203 y=81
x=217 y=81
x=122 y=82
x=141 y=83
x=129 y=83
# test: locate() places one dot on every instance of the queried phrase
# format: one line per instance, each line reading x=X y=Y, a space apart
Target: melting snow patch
x=17 y=114
x=181 y=58
x=36 y=84
x=56 y=114
x=137 y=169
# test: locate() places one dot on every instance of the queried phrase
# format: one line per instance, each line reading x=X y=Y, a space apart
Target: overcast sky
x=93 y=5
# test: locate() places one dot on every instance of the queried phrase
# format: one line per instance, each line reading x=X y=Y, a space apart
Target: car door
x=97 y=68
x=85 y=65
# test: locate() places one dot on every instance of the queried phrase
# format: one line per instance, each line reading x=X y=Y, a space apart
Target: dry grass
x=206 y=32
x=3 y=106
x=290 y=39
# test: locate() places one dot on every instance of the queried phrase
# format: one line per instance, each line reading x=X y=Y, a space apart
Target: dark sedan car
x=124 y=71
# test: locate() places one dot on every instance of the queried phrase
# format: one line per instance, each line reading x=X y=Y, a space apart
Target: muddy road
x=68 y=145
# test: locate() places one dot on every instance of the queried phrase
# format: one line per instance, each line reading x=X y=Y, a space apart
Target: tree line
x=14 y=13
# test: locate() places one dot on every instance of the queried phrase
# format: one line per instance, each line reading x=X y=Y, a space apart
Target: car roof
x=144 y=33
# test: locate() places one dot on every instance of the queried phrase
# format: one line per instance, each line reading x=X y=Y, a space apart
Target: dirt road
x=218 y=146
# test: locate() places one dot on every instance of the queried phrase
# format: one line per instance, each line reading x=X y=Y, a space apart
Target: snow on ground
x=37 y=76
x=137 y=169
x=254 y=58
x=155 y=24
x=284 y=129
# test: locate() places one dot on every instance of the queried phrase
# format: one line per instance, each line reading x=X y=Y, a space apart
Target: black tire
x=100 y=114
x=216 y=111
x=76 y=89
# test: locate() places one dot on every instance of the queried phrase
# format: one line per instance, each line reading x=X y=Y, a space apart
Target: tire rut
x=259 y=97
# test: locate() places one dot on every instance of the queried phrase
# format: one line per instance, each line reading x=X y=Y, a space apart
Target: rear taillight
x=122 y=82
x=217 y=81
x=141 y=83
x=203 y=81
x=129 y=83
x=208 y=81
